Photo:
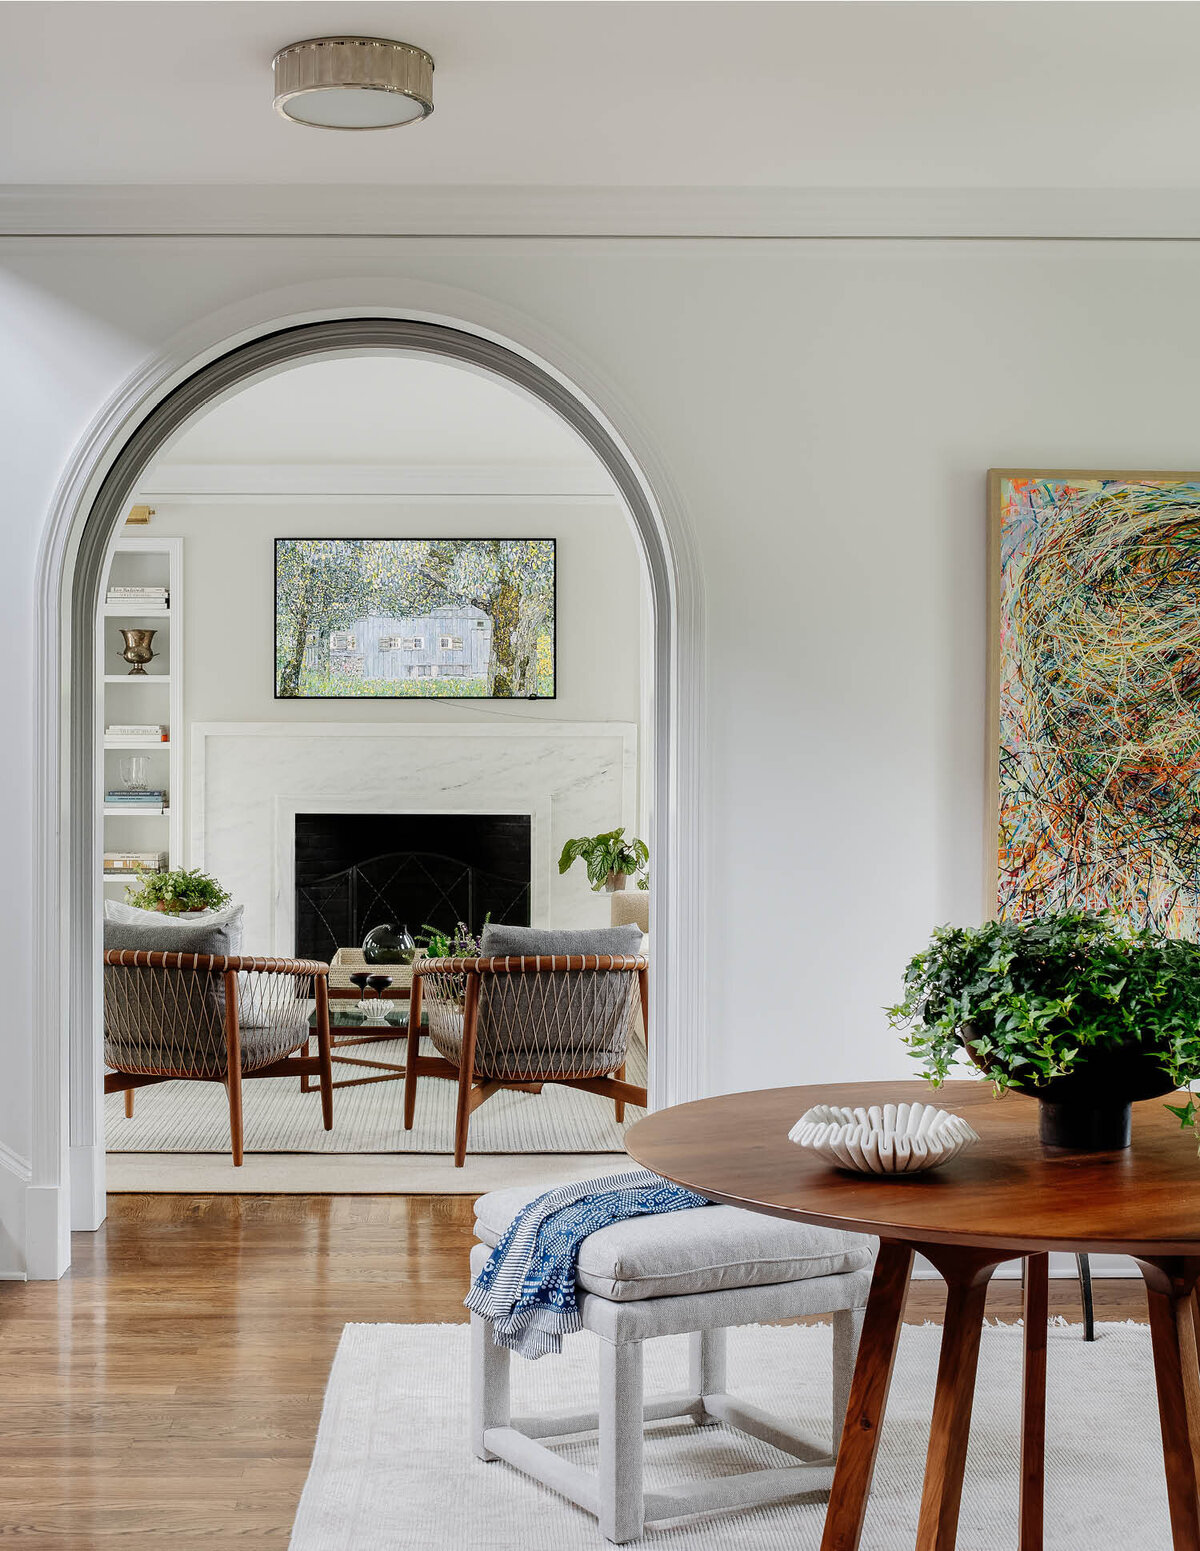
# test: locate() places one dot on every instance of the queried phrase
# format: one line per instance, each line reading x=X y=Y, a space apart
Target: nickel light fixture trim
x=353 y=83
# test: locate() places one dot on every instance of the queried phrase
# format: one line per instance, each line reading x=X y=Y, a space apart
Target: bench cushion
x=706 y=1249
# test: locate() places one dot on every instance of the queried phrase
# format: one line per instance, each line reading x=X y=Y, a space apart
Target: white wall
x=825 y=412
x=228 y=566
x=229 y=593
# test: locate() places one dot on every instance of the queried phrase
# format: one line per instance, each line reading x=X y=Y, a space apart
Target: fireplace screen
x=437 y=870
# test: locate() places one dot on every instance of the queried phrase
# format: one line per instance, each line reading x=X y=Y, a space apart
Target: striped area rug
x=193 y=1117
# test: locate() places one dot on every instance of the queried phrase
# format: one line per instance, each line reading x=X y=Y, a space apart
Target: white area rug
x=393 y=1471
x=345 y=1174
x=193 y=1117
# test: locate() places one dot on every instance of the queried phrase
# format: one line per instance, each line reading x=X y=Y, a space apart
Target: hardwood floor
x=166 y=1393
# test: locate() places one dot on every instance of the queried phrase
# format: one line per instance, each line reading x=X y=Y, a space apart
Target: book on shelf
x=143 y=594
x=136 y=802
x=155 y=731
x=133 y=862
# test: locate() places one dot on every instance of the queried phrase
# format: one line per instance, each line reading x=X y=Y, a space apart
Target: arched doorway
x=67 y=1185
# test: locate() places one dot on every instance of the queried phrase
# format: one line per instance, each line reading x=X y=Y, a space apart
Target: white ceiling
x=379 y=413
x=1083 y=95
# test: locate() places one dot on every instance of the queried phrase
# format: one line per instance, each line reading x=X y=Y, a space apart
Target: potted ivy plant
x=609 y=859
x=177 y=893
x=1076 y=1009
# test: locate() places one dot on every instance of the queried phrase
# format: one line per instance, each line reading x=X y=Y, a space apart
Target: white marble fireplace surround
x=250 y=779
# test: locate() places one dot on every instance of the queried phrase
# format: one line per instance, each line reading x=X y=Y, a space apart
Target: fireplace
x=356 y=870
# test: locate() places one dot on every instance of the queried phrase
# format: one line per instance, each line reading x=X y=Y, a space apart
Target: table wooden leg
x=1170 y=1285
x=1033 y=1402
x=868 y=1397
x=967 y=1274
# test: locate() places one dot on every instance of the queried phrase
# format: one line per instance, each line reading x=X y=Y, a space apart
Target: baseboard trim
x=47 y=1232
x=89 y=1205
x=1062 y=1267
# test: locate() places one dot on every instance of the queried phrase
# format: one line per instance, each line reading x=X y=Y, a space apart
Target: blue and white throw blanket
x=527 y=1287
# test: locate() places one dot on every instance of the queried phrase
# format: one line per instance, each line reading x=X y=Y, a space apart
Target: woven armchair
x=520 y=1022
x=213 y=1018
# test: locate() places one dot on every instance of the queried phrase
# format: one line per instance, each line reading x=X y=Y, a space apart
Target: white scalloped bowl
x=884 y=1139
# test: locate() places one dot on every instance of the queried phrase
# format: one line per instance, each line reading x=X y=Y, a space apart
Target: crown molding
x=359 y=210
x=192 y=482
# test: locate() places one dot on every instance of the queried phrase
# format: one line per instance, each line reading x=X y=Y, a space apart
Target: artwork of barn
x=1096 y=694
x=384 y=618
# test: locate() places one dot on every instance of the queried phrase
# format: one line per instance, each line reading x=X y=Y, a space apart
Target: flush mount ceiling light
x=353 y=83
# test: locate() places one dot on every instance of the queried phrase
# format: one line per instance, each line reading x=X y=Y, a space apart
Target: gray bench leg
x=847 y=1328
x=490 y=1405
x=706 y=1368
x=622 y=1507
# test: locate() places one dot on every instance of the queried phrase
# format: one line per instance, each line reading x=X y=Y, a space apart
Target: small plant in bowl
x=1076 y=1009
x=461 y=943
x=609 y=859
x=177 y=893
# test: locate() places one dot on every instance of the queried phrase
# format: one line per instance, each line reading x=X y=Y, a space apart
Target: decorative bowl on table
x=884 y=1139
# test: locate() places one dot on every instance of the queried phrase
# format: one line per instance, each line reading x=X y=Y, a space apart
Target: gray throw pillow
x=509 y=941
x=218 y=932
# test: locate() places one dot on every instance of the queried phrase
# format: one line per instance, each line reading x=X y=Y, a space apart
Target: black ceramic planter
x=1085 y=1127
x=1091 y=1109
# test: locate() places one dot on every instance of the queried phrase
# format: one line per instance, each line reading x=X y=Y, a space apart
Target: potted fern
x=610 y=859
x=1085 y=1014
x=177 y=893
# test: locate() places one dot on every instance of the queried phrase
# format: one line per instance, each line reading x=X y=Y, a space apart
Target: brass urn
x=138 y=650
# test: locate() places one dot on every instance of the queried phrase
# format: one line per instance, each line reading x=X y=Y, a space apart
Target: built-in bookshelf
x=142 y=713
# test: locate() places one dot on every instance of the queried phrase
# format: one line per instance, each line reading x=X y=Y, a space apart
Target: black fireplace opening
x=354 y=871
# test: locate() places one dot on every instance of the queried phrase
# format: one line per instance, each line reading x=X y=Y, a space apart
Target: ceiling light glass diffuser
x=353 y=83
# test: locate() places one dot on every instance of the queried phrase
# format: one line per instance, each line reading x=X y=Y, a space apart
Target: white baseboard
x=1061 y=1266
x=89 y=1204
x=47 y=1233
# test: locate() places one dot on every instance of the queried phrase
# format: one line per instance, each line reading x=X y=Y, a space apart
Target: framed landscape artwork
x=407 y=618
x=1095 y=678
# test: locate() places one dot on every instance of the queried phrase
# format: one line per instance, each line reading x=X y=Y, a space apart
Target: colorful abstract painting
x=1097 y=676
x=406 y=618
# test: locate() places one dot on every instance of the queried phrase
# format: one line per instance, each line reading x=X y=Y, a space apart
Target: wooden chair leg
x=1169 y=1286
x=466 y=1070
x=462 y=1116
x=1036 y=1276
x=410 y=1079
x=233 y=1068
x=324 y=1053
x=233 y=1086
x=412 y=1050
x=868 y=1398
x=619 y=1104
x=129 y=1104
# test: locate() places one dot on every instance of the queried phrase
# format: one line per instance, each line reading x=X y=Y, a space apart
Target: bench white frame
x=616 y=1496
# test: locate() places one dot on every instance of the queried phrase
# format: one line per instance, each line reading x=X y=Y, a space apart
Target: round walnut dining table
x=1007 y=1197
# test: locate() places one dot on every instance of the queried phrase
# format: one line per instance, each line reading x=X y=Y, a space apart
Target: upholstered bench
x=695 y=1272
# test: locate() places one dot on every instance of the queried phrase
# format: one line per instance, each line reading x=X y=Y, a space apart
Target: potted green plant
x=1085 y=1014
x=610 y=859
x=177 y=893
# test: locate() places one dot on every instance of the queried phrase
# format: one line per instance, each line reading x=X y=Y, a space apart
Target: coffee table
x=348 y=1029
x=1005 y=1198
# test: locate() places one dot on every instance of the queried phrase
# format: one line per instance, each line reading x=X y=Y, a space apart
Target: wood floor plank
x=166 y=1392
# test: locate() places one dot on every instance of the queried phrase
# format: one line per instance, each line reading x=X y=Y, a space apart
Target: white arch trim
x=66 y=1167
